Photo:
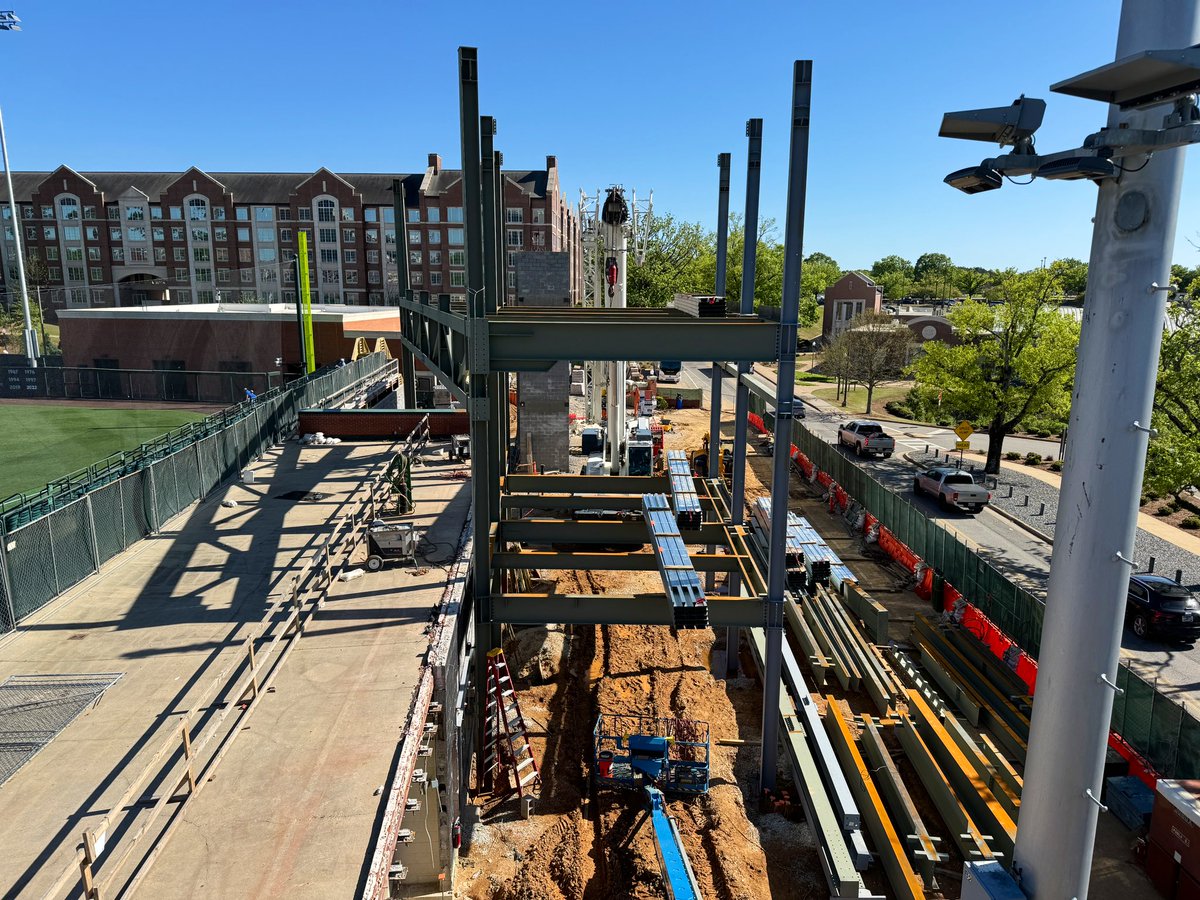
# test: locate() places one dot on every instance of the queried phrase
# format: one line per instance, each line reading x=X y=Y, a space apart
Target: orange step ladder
x=508 y=751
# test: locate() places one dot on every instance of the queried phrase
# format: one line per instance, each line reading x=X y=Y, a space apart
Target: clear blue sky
x=645 y=94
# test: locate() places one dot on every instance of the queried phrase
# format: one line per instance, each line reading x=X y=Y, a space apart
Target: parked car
x=953 y=488
x=1157 y=606
x=866 y=438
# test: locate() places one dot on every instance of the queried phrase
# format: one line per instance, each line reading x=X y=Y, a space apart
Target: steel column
x=1115 y=375
x=714 y=427
x=408 y=369
x=487 y=129
x=784 y=399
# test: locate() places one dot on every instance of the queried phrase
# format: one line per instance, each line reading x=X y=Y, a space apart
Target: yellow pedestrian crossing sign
x=964 y=430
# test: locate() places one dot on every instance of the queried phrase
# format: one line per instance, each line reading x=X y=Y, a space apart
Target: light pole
x=10 y=22
x=295 y=258
x=1137 y=164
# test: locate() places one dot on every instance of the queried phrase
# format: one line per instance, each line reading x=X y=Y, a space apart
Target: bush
x=1167 y=509
x=1153 y=495
x=1012 y=455
x=1056 y=465
x=1144 y=500
x=1032 y=459
x=899 y=409
x=1041 y=432
x=1191 y=523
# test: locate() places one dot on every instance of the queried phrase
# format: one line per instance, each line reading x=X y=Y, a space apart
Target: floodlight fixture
x=1077 y=168
x=975 y=179
x=9 y=20
x=1005 y=125
x=1139 y=81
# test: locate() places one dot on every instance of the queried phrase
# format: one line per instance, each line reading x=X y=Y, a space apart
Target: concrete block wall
x=371 y=423
x=543 y=409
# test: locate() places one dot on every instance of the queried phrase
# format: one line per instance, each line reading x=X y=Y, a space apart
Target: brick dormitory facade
x=103 y=239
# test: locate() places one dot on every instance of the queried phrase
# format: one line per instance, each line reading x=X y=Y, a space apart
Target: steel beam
x=452 y=320
x=609 y=562
x=526 y=343
x=587 y=484
x=563 y=531
x=616 y=609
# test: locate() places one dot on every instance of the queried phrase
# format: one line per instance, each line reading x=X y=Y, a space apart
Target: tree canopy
x=873 y=348
x=1173 y=460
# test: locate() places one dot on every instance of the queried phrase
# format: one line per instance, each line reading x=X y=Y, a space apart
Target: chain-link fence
x=54 y=539
x=1158 y=727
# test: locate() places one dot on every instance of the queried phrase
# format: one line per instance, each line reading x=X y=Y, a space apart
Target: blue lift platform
x=659 y=757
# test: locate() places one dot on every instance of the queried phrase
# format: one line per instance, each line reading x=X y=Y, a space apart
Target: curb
x=1025 y=526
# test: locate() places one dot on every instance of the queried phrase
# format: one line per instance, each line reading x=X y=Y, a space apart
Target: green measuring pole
x=310 y=363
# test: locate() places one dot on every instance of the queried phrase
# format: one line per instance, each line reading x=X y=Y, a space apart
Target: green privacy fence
x=1154 y=724
x=54 y=539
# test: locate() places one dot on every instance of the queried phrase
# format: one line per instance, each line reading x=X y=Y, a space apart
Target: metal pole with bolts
x=1115 y=377
x=714 y=426
x=789 y=313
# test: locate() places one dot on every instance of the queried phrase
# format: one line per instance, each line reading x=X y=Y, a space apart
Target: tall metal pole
x=749 y=263
x=477 y=403
x=31 y=347
x=300 y=313
x=1115 y=375
x=793 y=254
x=489 y=175
x=714 y=426
x=408 y=367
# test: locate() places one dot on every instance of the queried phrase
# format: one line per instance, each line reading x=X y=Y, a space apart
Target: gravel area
x=1012 y=487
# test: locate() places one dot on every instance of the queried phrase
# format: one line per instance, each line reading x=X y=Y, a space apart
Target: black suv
x=1160 y=607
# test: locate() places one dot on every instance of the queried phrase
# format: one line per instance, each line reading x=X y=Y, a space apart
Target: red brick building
x=111 y=239
x=850 y=295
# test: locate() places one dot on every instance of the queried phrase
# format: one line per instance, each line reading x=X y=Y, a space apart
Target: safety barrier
x=53 y=539
x=1156 y=733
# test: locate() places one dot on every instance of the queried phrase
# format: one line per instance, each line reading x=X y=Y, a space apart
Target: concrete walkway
x=167 y=614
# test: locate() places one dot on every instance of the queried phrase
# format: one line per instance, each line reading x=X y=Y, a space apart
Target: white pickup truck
x=866 y=438
x=953 y=488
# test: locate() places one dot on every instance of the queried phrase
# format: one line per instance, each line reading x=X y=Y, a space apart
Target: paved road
x=1010 y=548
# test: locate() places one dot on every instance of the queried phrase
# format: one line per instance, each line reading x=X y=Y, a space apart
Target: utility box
x=1175 y=823
x=989 y=880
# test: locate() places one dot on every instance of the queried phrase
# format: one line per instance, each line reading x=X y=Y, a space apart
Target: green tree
x=972 y=282
x=817 y=273
x=1072 y=276
x=1173 y=460
x=1015 y=360
x=935 y=265
x=891 y=265
x=876 y=350
x=895 y=285
x=676 y=262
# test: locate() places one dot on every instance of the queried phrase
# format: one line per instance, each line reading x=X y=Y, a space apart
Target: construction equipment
x=699 y=460
x=509 y=754
x=390 y=541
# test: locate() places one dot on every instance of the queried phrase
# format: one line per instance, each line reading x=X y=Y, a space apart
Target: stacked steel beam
x=683 y=490
x=680 y=580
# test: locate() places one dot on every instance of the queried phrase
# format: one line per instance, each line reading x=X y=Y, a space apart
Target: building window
x=74 y=254
x=539 y=217
x=200 y=235
x=458 y=257
x=433 y=214
x=198 y=209
x=350 y=256
x=68 y=208
x=244 y=254
x=454 y=214
x=458 y=279
x=54 y=273
x=414 y=257
x=435 y=236
x=417 y=278
x=351 y=276
x=89 y=212
x=243 y=235
x=268 y=275
x=330 y=276
x=135 y=233
x=305 y=214
x=389 y=257
x=51 y=253
x=373 y=277
x=514 y=215
x=456 y=237
x=179 y=254
x=266 y=254
x=158 y=233
x=329 y=256
x=201 y=254
x=118 y=254
x=285 y=235
x=347 y=213
x=135 y=213
x=246 y=276
x=264 y=214
x=221 y=233
x=330 y=297
x=372 y=235
x=266 y=235
x=389 y=215
x=139 y=254
x=242 y=213
x=183 y=296
x=414 y=237
x=97 y=273
x=114 y=213
x=177 y=233
x=204 y=275
x=348 y=235
x=222 y=276
x=160 y=254
x=515 y=238
x=155 y=212
x=75 y=273
x=176 y=212
x=50 y=233
x=222 y=254
x=284 y=214
x=414 y=215
x=181 y=274
x=94 y=253
x=92 y=233
x=204 y=297
x=370 y=214
x=218 y=214
x=538 y=238
x=326 y=211
x=372 y=257
x=435 y=279
x=435 y=257
x=327 y=235
x=72 y=233
x=512 y=279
